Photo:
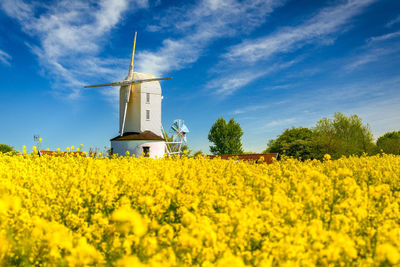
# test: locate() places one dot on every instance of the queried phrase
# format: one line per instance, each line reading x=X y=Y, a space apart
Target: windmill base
x=137 y=148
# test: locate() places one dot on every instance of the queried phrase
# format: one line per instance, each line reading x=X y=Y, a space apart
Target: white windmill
x=139 y=114
x=178 y=131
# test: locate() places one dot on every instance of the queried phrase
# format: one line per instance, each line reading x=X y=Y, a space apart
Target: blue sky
x=268 y=64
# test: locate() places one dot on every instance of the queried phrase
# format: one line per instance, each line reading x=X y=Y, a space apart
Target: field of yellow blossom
x=69 y=211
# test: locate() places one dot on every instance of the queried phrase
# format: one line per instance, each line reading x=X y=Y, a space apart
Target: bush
x=389 y=143
x=6 y=148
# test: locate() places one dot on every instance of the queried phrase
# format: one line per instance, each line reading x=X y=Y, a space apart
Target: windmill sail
x=128 y=82
x=127 y=89
x=130 y=73
x=128 y=94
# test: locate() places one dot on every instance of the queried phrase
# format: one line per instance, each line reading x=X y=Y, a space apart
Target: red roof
x=268 y=158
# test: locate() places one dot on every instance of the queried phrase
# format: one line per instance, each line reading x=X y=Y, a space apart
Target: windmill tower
x=139 y=114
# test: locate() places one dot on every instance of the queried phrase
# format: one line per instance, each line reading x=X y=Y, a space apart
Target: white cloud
x=321 y=27
x=256 y=107
x=376 y=49
x=368 y=56
x=250 y=54
x=71 y=35
x=5 y=58
x=197 y=27
x=282 y=122
x=393 y=21
x=227 y=84
x=384 y=37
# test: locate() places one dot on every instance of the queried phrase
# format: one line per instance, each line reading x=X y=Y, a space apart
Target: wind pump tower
x=140 y=128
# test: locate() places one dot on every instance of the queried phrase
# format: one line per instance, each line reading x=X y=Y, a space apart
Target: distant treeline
x=340 y=136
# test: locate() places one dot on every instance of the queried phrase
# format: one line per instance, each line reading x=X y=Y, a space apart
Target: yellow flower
x=183 y=211
x=388 y=252
x=126 y=215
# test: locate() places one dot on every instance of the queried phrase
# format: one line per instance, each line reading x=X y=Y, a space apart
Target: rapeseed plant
x=128 y=211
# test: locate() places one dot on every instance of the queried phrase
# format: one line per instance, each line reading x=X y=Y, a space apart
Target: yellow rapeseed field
x=68 y=211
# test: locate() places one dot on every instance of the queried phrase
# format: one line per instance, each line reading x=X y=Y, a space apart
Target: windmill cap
x=146 y=135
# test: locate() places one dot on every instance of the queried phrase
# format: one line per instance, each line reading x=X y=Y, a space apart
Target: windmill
x=139 y=113
x=178 y=131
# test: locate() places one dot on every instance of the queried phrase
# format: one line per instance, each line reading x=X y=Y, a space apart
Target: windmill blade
x=120 y=83
x=147 y=80
x=180 y=125
x=130 y=74
x=131 y=82
x=125 y=109
x=184 y=129
x=175 y=128
x=177 y=125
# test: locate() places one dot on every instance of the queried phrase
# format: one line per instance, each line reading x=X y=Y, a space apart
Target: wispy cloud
x=393 y=21
x=70 y=36
x=321 y=27
x=5 y=58
x=371 y=55
x=275 y=123
x=227 y=84
x=384 y=37
x=256 y=107
x=376 y=49
x=197 y=27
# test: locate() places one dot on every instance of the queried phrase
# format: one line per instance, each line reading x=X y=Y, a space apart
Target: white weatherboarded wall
x=136 y=120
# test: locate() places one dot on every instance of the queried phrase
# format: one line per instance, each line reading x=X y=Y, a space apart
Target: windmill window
x=148 y=98
x=148 y=115
x=146 y=151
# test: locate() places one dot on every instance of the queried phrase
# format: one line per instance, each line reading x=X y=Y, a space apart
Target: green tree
x=294 y=142
x=342 y=135
x=6 y=148
x=389 y=143
x=197 y=153
x=226 y=137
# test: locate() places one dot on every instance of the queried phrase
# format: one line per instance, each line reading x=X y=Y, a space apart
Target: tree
x=226 y=137
x=198 y=153
x=389 y=143
x=294 y=142
x=342 y=135
x=5 y=148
